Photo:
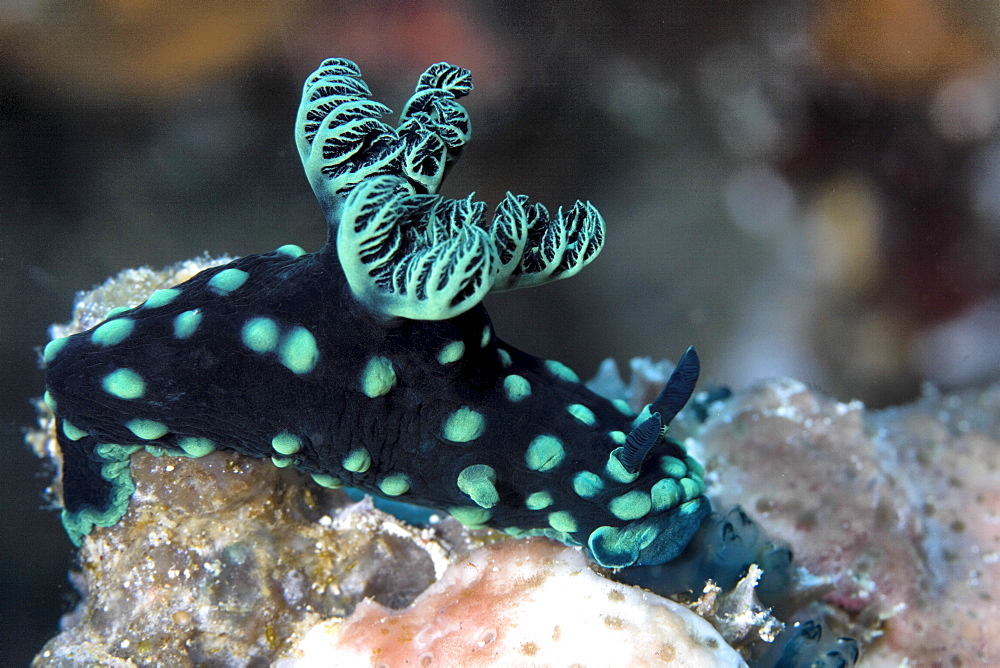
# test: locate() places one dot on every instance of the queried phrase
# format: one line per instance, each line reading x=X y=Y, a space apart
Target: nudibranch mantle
x=371 y=362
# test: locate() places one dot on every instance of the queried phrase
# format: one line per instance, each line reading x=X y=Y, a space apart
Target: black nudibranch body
x=372 y=364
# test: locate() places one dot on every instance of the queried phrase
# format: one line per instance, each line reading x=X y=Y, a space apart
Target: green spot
x=112 y=332
x=614 y=469
x=357 y=461
x=516 y=387
x=587 y=484
x=186 y=322
x=291 y=250
x=690 y=507
x=544 y=453
x=562 y=520
x=286 y=444
x=72 y=432
x=124 y=384
x=195 y=446
x=463 y=425
x=631 y=505
x=451 y=352
x=115 y=311
x=298 y=351
x=623 y=407
x=478 y=481
x=695 y=467
x=281 y=462
x=52 y=348
x=673 y=467
x=326 y=480
x=260 y=334
x=227 y=280
x=395 y=484
x=504 y=358
x=617 y=436
x=618 y=548
x=147 y=429
x=666 y=493
x=582 y=413
x=161 y=298
x=560 y=370
x=471 y=516
x=485 y=340
x=538 y=500
x=692 y=488
x=49 y=401
x=378 y=377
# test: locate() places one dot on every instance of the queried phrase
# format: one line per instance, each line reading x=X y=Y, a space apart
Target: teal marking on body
x=291 y=250
x=562 y=520
x=326 y=480
x=544 y=453
x=72 y=432
x=186 y=323
x=298 y=351
x=161 y=298
x=614 y=469
x=196 y=446
x=357 y=461
x=378 y=377
x=487 y=334
x=451 y=352
x=281 y=462
x=631 y=505
x=124 y=384
x=478 y=481
x=260 y=334
x=227 y=280
x=112 y=332
x=673 y=467
x=617 y=436
x=395 y=484
x=623 y=407
x=692 y=488
x=147 y=430
x=286 y=444
x=666 y=493
x=538 y=500
x=115 y=311
x=470 y=516
x=583 y=414
x=463 y=425
x=690 y=507
x=505 y=359
x=587 y=484
x=52 y=348
x=115 y=452
x=560 y=370
x=49 y=401
x=516 y=387
x=695 y=467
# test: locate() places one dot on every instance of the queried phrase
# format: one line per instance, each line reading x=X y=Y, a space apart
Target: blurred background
x=798 y=188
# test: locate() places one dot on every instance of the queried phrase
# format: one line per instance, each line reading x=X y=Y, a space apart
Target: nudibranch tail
x=372 y=364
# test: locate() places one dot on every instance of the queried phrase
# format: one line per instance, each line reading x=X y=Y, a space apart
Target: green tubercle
x=544 y=453
x=690 y=507
x=124 y=384
x=161 y=298
x=563 y=521
x=291 y=250
x=695 y=467
x=617 y=436
x=378 y=377
x=623 y=407
x=479 y=482
x=72 y=433
x=673 y=467
x=395 y=484
x=282 y=462
x=112 y=332
x=147 y=430
x=326 y=480
x=487 y=335
x=451 y=352
x=516 y=387
x=463 y=425
x=631 y=505
x=471 y=516
x=116 y=311
x=195 y=446
x=587 y=484
x=583 y=414
x=538 y=500
x=52 y=348
x=692 y=488
x=666 y=493
x=298 y=351
x=286 y=444
x=560 y=370
x=260 y=334
x=357 y=461
x=49 y=401
x=505 y=359
x=186 y=323
x=227 y=280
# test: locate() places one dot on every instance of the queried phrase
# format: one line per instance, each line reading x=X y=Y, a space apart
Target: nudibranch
x=371 y=362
